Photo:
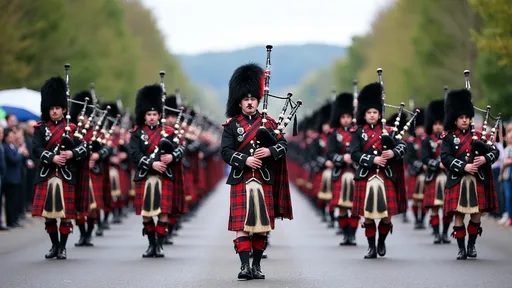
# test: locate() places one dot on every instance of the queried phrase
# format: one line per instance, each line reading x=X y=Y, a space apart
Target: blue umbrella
x=23 y=102
x=21 y=114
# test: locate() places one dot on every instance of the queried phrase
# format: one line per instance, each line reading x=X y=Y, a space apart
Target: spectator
x=13 y=177
x=31 y=165
x=2 y=173
x=507 y=181
x=12 y=120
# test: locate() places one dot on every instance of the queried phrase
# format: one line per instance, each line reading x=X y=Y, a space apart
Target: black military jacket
x=53 y=131
x=431 y=155
x=455 y=152
x=234 y=135
x=141 y=143
x=365 y=135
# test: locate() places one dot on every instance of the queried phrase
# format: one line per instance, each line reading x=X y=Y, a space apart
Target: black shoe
x=245 y=272
x=167 y=240
x=324 y=218
x=419 y=226
x=405 y=219
x=462 y=254
x=371 y=253
x=352 y=240
x=330 y=225
x=99 y=231
x=150 y=252
x=53 y=252
x=256 y=272
x=345 y=241
x=437 y=239
x=88 y=241
x=339 y=231
x=381 y=248
x=159 y=249
x=471 y=252
x=3 y=228
x=81 y=241
x=105 y=225
x=446 y=239
x=62 y=254
x=117 y=220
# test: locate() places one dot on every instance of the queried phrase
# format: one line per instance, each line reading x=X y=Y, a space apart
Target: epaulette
x=228 y=121
x=38 y=124
x=443 y=135
x=354 y=129
x=134 y=129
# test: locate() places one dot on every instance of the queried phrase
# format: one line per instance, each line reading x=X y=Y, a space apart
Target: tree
x=496 y=34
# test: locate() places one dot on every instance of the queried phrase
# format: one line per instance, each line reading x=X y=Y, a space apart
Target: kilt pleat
x=107 y=188
x=41 y=189
x=360 y=194
x=336 y=186
x=238 y=202
x=97 y=184
x=429 y=195
x=411 y=185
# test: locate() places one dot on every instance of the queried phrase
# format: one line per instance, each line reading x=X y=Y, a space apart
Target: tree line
x=114 y=44
x=423 y=45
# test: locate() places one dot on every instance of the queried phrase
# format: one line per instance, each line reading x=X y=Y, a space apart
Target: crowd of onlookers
x=503 y=179
x=17 y=172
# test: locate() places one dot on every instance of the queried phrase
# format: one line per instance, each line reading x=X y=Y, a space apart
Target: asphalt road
x=303 y=253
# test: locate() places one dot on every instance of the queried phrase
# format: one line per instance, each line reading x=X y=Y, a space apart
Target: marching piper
x=416 y=171
x=338 y=152
x=468 y=159
x=379 y=191
x=435 y=178
x=159 y=175
x=55 y=194
x=258 y=177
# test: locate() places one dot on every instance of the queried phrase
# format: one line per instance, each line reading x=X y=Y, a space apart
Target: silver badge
x=47 y=134
x=240 y=130
x=240 y=138
x=456 y=141
x=339 y=137
x=347 y=144
x=144 y=138
x=365 y=137
x=415 y=146
x=322 y=143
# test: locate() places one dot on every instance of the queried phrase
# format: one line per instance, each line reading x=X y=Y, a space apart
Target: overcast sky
x=195 y=26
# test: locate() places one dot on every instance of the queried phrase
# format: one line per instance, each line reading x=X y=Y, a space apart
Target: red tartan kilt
x=125 y=182
x=411 y=185
x=429 y=195
x=41 y=189
x=486 y=203
x=97 y=184
x=238 y=203
x=107 y=189
x=336 y=191
x=317 y=182
x=168 y=205
x=360 y=194
x=189 y=184
x=336 y=187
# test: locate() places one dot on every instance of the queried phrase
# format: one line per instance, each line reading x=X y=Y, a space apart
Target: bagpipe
x=483 y=145
x=267 y=137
